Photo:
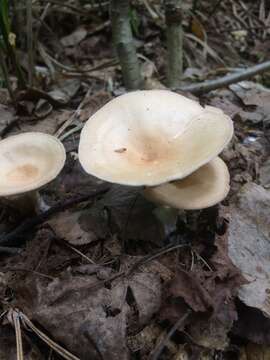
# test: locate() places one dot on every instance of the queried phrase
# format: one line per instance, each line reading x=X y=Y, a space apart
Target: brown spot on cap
x=23 y=173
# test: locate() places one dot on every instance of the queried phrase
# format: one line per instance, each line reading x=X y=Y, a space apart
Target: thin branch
x=80 y=11
x=215 y=7
x=74 y=116
x=152 y=257
x=16 y=236
x=210 y=85
x=158 y=350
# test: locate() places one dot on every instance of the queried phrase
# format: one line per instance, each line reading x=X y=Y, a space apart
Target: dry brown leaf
x=197 y=28
x=252 y=325
x=80 y=227
x=75 y=37
x=8 y=349
x=249 y=246
x=89 y=319
x=255 y=352
x=265 y=174
x=7 y=117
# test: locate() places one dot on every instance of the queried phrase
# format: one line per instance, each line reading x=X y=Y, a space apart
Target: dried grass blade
x=17 y=325
x=56 y=347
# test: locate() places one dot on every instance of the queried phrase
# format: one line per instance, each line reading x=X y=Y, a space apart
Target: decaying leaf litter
x=109 y=277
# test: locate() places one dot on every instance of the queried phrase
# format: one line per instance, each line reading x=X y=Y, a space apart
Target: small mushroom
x=27 y=162
x=150 y=137
x=205 y=187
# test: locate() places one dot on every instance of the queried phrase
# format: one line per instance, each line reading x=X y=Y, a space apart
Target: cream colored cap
x=29 y=161
x=205 y=187
x=151 y=137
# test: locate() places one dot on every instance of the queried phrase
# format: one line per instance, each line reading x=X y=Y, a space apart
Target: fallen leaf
x=249 y=246
x=8 y=350
x=95 y=318
x=210 y=293
x=252 y=325
x=253 y=94
x=43 y=109
x=80 y=227
x=255 y=352
x=197 y=28
x=65 y=90
x=7 y=117
x=144 y=340
x=265 y=174
x=75 y=37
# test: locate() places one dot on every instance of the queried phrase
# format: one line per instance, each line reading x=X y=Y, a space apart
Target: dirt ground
x=107 y=274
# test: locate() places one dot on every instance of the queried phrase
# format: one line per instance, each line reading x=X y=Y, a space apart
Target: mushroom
x=27 y=162
x=150 y=137
x=205 y=187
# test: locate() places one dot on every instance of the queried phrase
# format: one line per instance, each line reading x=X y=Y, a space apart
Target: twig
x=195 y=6
x=30 y=49
x=84 y=12
x=215 y=7
x=74 y=116
x=16 y=236
x=210 y=85
x=72 y=70
x=158 y=350
x=81 y=254
x=71 y=131
x=151 y=11
x=30 y=271
x=9 y=250
x=68 y=6
x=36 y=94
x=151 y=257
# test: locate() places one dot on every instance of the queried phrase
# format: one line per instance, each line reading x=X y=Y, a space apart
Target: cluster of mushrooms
x=162 y=141
x=156 y=139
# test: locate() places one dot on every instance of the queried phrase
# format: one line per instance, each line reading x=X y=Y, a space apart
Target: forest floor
x=109 y=277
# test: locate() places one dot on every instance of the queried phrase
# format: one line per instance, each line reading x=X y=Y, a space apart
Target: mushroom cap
x=29 y=161
x=150 y=137
x=205 y=187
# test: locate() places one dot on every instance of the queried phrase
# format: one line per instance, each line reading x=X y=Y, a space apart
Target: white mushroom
x=27 y=162
x=147 y=138
x=205 y=187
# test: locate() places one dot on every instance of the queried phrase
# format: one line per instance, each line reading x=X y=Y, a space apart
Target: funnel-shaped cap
x=152 y=137
x=29 y=161
x=205 y=187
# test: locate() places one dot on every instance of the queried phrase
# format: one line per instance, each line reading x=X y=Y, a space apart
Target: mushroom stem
x=27 y=204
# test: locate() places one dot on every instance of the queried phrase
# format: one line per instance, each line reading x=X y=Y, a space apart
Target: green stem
x=123 y=41
x=174 y=41
x=30 y=49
